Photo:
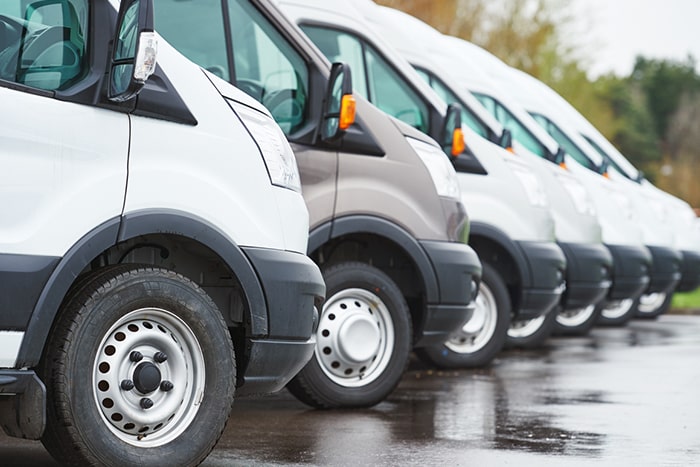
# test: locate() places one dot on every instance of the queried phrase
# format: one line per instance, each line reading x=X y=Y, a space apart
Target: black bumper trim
x=547 y=265
x=665 y=269
x=589 y=268
x=631 y=266
x=273 y=363
x=458 y=272
x=293 y=286
x=690 y=271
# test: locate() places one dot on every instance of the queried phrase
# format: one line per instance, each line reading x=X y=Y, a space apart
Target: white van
x=454 y=77
x=656 y=233
x=512 y=228
x=152 y=247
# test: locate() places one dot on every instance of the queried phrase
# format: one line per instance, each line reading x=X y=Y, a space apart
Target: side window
x=509 y=121
x=204 y=44
x=373 y=77
x=43 y=42
x=446 y=94
x=267 y=67
x=563 y=140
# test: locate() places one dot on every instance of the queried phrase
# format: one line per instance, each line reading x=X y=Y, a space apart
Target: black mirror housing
x=335 y=119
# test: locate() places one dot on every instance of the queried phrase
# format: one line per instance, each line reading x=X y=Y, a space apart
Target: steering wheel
x=252 y=88
x=284 y=107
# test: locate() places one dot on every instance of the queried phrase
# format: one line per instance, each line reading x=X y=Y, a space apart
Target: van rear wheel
x=362 y=343
x=139 y=369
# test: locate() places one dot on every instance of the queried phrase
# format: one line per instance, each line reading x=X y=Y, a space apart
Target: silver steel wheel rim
x=478 y=331
x=617 y=309
x=148 y=331
x=355 y=338
x=575 y=317
x=525 y=327
x=649 y=303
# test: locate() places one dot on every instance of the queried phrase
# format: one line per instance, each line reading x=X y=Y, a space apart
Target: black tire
x=616 y=313
x=578 y=322
x=483 y=336
x=652 y=310
x=366 y=307
x=106 y=317
x=531 y=334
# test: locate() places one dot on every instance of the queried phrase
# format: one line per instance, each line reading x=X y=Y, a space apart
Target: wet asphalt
x=620 y=396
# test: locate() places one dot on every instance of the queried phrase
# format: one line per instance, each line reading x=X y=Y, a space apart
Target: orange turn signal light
x=563 y=165
x=347 y=111
x=510 y=149
x=458 y=143
x=606 y=175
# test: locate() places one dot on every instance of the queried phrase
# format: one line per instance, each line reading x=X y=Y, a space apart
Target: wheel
x=362 y=344
x=617 y=312
x=483 y=336
x=576 y=321
x=653 y=305
x=139 y=368
x=531 y=333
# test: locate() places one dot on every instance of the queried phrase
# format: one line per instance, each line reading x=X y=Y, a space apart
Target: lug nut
x=127 y=385
x=146 y=403
x=135 y=356
x=166 y=386
x=160 y=357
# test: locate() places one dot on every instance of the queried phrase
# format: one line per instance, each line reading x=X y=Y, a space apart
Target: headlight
x=578 y=194
x=279 y=158
x=531 y=184
x=441 y=171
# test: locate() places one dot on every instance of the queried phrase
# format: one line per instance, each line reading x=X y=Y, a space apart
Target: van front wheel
x=139 y=369
x=363 y=340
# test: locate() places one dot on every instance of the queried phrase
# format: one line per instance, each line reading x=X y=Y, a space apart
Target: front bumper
x=294 y=292
x=631 y=266
x=589 y=268
x=690 y=271
x=458 y=272
x=665 y=269
x=542 y=291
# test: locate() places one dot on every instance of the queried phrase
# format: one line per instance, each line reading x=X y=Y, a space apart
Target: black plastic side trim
x=690 y=269
x=159 y=99
x=384 y=228
x=318 y=236
x=22 y=278
x=62 y=277
x=480 y=229
x=186 y=225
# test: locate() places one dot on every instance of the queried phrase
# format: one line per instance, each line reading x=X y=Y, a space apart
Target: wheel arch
x=120 y=229
x=386 y=238
x=496 y=248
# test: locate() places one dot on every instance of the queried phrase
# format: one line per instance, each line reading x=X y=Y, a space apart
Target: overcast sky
x=612 y=32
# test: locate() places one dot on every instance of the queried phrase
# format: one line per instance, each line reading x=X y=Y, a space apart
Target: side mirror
x=339 y=105
x=506 y=140
x=135 y=50
x=452 y=136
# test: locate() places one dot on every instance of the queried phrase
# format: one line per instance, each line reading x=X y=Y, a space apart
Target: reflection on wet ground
x=617 y=397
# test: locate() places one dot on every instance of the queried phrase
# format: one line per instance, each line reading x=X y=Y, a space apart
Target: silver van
x=386 y=221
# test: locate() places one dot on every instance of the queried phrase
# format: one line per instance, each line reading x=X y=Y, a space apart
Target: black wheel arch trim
x=355 y=224
x=129 y=226
x=496 y=235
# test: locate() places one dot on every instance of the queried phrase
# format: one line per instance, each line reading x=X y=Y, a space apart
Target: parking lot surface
x=624 y=396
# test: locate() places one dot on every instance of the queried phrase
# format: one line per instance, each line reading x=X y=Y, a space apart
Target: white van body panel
x=423 y=46
x=10 y=342
x=63 y=172
x=162 y=173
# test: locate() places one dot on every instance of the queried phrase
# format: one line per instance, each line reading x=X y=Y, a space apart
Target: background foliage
x=652 y=115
